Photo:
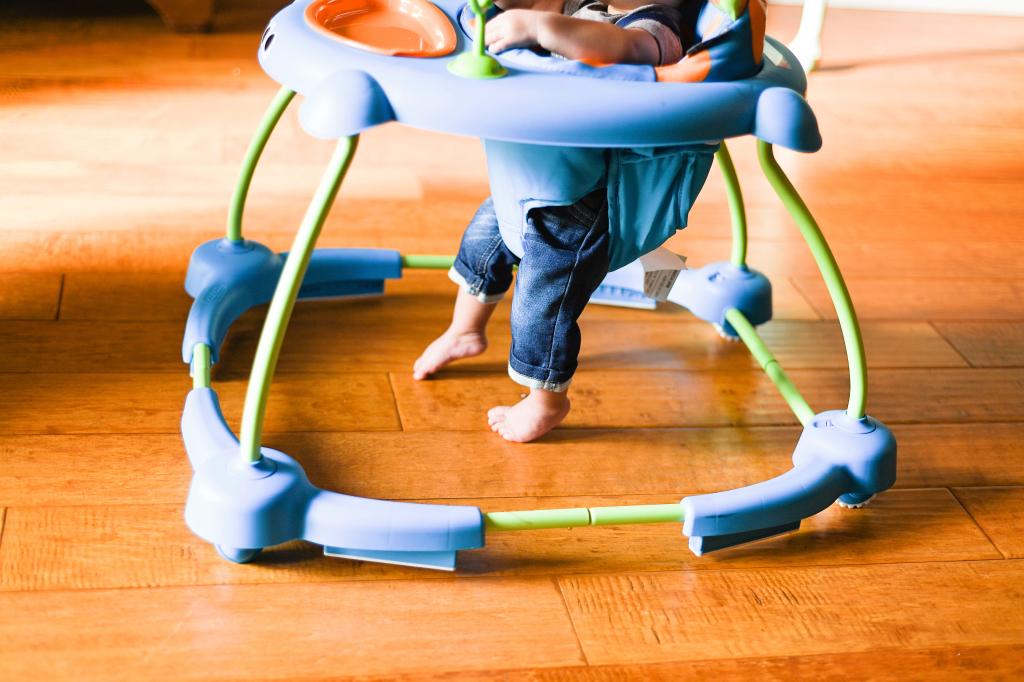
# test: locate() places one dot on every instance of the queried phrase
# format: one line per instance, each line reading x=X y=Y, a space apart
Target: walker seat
x=553 y=130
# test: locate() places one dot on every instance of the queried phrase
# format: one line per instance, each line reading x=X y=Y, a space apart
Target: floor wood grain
x=325 y=344
x=152 y=403
x=1000 y=513
x=30 y=295
x=986 y=344
x=728 y=614
x=934 y=299
x=149 y=546
x=975 y=663
x=643 y=399
x=355 y=628
x=47 y=470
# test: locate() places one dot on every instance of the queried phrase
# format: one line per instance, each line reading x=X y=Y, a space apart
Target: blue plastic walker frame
x=245 y=497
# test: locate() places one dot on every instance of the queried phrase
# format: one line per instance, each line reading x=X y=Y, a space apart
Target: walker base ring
x=236 y=505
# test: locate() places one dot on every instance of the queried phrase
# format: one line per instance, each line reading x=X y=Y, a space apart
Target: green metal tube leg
x=736 y=209
x=424 y=262
x=480 y=11
x=576 y=517
x=770 y=365
x=281 y=305
x=830 y=272
x=252 y=156
x=201 y=366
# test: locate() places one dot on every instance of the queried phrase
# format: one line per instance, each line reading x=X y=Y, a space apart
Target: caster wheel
x=237 y=555
x=854 y=501
x=724 y=334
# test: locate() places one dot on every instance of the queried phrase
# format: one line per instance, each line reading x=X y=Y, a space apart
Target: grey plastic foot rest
x=702 y=544
x=439 y=561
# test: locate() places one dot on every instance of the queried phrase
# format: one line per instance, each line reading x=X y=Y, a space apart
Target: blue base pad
x=710 y=291
x=234 y=504
x=836 y=457
x=227 y=278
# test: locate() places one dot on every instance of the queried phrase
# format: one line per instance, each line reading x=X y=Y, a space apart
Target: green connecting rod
x=283 y=302
x=736 y=210
x=201 y=366
x=537 y=519
x=770 y=365
x=422 y=262
x=829 y=271
x=252 y=156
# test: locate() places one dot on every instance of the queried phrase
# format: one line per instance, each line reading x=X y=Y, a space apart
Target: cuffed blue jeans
x=565 y=258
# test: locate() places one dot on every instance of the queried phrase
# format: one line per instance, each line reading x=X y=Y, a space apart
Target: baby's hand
x=514 y=28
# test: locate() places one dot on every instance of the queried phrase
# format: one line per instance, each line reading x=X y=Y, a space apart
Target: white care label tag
x=661 y=269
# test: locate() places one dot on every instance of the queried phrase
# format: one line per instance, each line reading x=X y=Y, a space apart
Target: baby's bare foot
x=446 y=348
x=531 y=417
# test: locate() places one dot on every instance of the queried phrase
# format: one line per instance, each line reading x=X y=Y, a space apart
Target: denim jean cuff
x=475 y=289
x=530 y=382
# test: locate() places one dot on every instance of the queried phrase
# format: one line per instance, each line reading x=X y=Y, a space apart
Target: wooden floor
x=118 y=148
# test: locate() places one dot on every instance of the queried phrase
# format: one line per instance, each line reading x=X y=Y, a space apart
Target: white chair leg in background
x=807 y=43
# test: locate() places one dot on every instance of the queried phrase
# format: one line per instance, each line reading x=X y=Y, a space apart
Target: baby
x=565 y=249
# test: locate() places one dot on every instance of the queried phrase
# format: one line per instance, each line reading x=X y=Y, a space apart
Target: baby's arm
x=571 y=37
x=539 y=5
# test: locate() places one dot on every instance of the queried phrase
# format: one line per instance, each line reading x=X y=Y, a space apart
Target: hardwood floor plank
x=294 y=182
x=147 y=236
x=644 y=399
x=64 y=346
x=954 y=395
x=776 y=250
x=894 y=215
x=334 y=628
x=728 y=614
x=987 y=344
x=29 y=295
x=93 y=547
x=569 y=462
x=601 y=399
x=978 y=663
x=131 y=296
x=806 y=345
x=111 y=469
x=150 y=296
x=339 y=344
x=160 y=234
x=934 y=299
x=939 y=455
x=55 y=470
x=152 y=403
x=663 y=343
x=1000 y=513
x=584 y=462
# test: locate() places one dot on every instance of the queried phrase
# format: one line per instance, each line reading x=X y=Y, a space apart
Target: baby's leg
x=464 y=338
x=564 y=261
x=483 y=271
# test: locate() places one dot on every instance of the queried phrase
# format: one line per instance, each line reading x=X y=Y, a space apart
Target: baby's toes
x=497 y=414
x=510 y=433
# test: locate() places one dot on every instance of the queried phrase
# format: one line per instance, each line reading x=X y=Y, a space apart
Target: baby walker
x=360 y=63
